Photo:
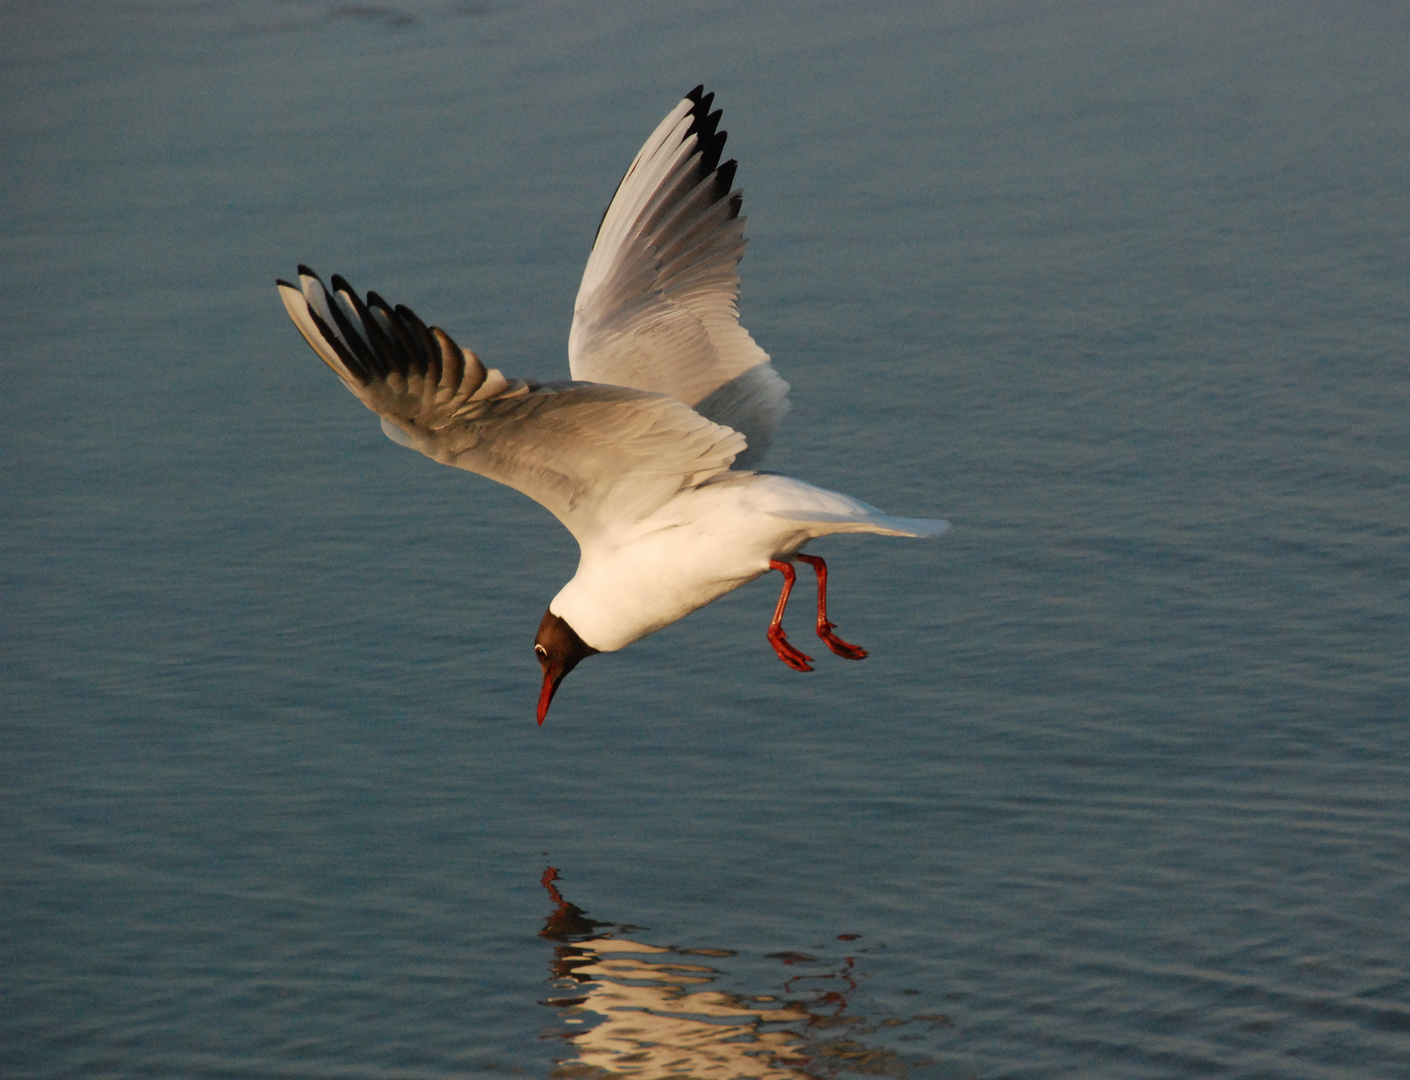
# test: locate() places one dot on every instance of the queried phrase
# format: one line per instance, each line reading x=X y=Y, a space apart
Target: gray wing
x=657 y=306
x=596 y=456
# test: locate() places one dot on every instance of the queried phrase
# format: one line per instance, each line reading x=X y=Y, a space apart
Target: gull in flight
x=647 y=455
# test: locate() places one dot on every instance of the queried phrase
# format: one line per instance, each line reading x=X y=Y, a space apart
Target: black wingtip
x=304 y=271
x=406 y=315
x=286 y=284
x=704 y=125
x=709 y=145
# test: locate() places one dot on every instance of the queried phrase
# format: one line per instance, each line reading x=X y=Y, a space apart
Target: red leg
x=787 y=653
x=833 y=642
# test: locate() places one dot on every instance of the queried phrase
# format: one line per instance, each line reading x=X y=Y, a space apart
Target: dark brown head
x=559 y=650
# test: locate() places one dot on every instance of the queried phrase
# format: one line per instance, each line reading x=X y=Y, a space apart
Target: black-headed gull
x=645 y=455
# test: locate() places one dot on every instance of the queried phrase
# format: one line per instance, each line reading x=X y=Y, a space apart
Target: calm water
x=1123 y=790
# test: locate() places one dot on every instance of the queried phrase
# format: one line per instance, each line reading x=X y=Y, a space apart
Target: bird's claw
x=794 y=658
x=837 y=645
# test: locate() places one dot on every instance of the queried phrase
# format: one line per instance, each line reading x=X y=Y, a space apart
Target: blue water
x=1122 y=791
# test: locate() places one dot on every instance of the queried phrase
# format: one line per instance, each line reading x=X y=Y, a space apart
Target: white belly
x=700 y=546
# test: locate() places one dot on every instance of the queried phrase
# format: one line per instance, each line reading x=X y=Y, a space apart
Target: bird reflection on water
x=643 y=1011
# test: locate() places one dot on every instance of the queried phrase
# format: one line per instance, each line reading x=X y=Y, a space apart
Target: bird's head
x=559 y=650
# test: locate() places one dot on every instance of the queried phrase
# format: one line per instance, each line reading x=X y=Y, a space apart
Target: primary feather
x=657 y=308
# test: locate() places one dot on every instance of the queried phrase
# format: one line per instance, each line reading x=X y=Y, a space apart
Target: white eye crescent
x=541 y=652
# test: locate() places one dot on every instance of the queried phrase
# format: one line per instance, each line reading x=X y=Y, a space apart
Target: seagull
x=647 y=455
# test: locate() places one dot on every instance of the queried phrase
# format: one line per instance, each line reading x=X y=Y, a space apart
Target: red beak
x=552 y=676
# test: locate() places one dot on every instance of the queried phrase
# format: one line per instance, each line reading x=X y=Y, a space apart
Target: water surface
x=1121 y=791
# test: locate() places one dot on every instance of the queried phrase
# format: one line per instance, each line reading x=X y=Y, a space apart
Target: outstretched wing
x=596 y=456
x=657 y=306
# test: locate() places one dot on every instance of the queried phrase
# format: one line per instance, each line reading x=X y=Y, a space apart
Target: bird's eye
x=540 y=652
